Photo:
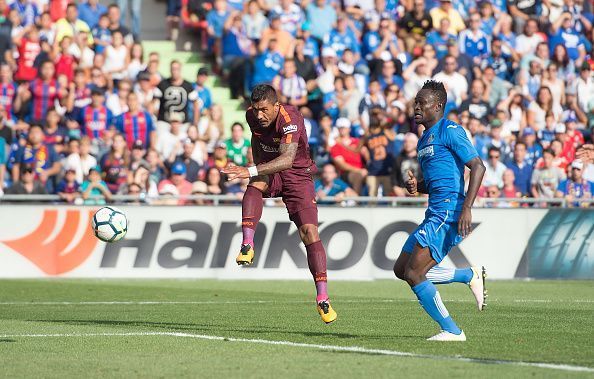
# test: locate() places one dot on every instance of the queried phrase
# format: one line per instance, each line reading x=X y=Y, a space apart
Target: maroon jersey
x=287 y=128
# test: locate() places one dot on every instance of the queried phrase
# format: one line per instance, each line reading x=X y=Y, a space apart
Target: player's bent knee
x=309 y=233
x=412 y=277
x=399 y=271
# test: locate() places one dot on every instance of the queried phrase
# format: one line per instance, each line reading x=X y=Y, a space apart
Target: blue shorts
x=438 y=232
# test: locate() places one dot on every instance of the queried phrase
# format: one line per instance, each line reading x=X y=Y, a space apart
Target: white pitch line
x=351 y=349
x=211 y=302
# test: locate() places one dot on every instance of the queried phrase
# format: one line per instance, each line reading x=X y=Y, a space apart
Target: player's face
x=265 y=112
x=426 y=108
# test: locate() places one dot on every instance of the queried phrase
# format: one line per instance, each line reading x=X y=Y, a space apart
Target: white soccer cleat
x=448 y=337
x=477 y=286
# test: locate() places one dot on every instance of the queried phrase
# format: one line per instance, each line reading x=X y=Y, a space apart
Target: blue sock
x=431 y=302
x=442 y=275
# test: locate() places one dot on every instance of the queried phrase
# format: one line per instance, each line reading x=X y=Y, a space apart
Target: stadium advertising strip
x=201 y=242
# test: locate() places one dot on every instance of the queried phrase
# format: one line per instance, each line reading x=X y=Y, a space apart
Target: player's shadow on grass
x=203 y=328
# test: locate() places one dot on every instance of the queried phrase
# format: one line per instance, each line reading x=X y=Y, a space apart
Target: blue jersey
x=266 y=66
x=443 y=150
x=340 y=42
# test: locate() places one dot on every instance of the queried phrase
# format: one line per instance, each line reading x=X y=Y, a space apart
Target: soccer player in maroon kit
x=283 y=168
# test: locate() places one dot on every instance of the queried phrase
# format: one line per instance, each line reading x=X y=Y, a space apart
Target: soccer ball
x=109 y=224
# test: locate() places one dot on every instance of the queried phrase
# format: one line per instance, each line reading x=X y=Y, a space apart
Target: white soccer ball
x=109 y=224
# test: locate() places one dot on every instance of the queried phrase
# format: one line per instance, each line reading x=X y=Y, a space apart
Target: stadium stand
x=80 y=94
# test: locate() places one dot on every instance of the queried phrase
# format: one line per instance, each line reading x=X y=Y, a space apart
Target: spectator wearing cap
x=199 y=188
x=321 y=16
x=170 y=139
x=94 y=119
x=521 y=169
x=346 y=155
x=473 y=41
x=90 y=11
x=274 y=31
x=71 y=25
x=445 y=10
x=136 y=124
x=455 y=83
x=568 y=148
x=575 y=186
x=25 y=183
x=177 y=183
x=80 y=158
x=291 y=16
x=267 y=64
x=193 y=169
x=415 y=25
x=330 y=184
x=585 y=89
x=476 y=105
x=239 y=150
x=219 y=158
x=290 y=86
x=39 y=155
x=439 y=37
x=545 y=180
x=68 y=188
x=94 y=190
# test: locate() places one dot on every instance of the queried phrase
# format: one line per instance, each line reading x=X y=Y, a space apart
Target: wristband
x=253 y=170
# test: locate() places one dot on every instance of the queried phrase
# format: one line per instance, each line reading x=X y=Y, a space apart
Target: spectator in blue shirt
x=575 y=187
x=267 y=65
x=522 y=170
x=90 y=11
x=216 y=19
x=371 y=39
x=502 y=63
x=342 y=38
x=101 y=34
x=439 y=38
x=311 y=46
x=321 y=17
x=330 y=185
x=203 y=92
x=565 y=34
x=473 y=41
x=27 y=10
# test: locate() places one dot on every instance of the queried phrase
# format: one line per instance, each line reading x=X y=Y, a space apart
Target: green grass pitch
x=104 y=330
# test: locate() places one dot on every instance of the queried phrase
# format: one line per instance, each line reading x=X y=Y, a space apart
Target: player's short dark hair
x=438 y=90
x=264 y=92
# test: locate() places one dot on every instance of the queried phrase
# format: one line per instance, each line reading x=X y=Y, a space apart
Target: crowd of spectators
x=86 y=114
x=518 y=75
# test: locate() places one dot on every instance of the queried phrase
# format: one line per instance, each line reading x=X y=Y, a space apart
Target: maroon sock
x=251 y=212
x=316 y=259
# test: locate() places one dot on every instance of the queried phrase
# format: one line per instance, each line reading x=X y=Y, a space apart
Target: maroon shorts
x=296 y=188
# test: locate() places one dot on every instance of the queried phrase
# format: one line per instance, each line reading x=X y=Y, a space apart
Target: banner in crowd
x=362 y=243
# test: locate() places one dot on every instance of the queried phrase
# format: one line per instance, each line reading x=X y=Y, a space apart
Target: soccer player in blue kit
x=443 y=152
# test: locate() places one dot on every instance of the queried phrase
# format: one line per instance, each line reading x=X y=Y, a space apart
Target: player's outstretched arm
x=477 y=170
x=283 y=162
